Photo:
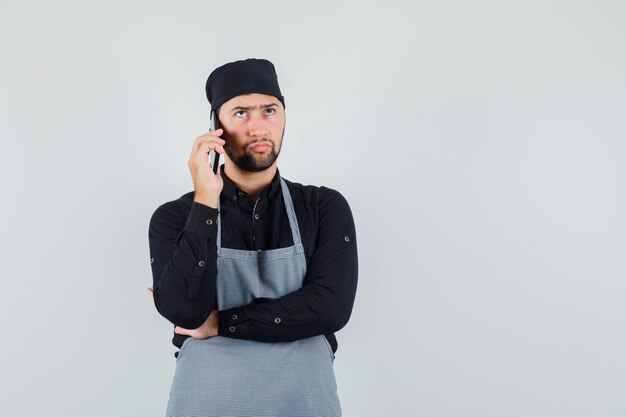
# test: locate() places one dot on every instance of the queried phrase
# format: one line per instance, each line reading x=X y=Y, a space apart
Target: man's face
x=254 y=125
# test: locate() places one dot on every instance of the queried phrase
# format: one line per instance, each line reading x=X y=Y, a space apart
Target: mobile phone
x=215 y=124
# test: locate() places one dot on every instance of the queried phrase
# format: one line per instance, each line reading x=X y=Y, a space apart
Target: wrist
x=206 y=198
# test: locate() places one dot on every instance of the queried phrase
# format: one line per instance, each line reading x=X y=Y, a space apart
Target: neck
x=250 y=182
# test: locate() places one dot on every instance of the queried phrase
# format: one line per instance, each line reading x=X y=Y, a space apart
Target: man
x=256 y=272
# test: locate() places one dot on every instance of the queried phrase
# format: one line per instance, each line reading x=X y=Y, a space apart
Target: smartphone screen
x=215 y=124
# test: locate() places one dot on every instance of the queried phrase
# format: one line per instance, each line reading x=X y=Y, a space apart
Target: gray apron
x=225 y=377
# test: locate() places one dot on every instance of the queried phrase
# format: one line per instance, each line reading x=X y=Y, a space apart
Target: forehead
x=252 y=99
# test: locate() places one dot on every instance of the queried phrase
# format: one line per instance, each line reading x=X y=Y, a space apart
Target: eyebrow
x=265 y=106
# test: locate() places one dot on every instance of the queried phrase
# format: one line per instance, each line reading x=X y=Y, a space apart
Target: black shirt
x=183 y=254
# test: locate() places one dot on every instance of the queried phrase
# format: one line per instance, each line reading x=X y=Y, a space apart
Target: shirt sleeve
x=183 y=256
x=323 y=304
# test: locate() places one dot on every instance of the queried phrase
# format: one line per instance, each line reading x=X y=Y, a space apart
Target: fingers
x=151 y=293
x=180 y=330
x=187 y=332
x=202 y=145
x=207 y=142
x=210 y=146
x=211 y=134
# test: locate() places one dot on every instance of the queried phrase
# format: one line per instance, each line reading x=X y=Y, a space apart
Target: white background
x=481 y=146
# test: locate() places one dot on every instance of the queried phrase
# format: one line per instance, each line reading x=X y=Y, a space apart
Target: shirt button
x=151 y=260
x=277 y=320
x=209 y=221
x=256 y=216
x=347 y=239
x=240 y=194
x=234 y=317
x=231 y=329
x=201 y=263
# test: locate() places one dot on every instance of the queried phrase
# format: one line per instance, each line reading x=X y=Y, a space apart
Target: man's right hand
x=207 y=185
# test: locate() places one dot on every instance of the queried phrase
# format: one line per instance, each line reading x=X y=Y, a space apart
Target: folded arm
x=323 y=304
x=183 y=257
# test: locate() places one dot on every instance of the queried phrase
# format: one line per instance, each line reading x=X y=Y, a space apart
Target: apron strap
x=291 y=213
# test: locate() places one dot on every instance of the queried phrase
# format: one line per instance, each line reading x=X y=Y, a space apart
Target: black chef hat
x=246 y=76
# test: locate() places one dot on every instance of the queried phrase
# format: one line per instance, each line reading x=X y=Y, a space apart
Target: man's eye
x=240 y=111
x=272 y=110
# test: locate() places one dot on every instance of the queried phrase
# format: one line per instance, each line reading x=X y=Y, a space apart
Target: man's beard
x=248 y=161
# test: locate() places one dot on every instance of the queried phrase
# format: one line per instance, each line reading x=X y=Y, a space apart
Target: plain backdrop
x=481 y=146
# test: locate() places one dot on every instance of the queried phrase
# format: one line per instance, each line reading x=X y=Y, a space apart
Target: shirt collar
x=231 y=190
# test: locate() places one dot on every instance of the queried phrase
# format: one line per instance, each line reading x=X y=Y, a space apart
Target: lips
x=261 y=146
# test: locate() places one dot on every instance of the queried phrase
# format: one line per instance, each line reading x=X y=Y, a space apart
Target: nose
x=256 y=127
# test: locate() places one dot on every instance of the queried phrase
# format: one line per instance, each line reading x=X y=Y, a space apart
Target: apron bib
x=225 y=377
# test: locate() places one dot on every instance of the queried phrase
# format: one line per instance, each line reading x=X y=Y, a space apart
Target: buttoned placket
x=254 y=216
